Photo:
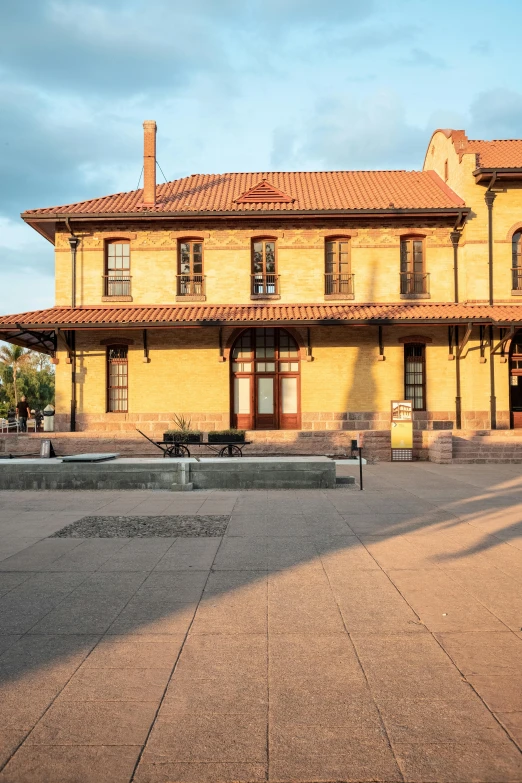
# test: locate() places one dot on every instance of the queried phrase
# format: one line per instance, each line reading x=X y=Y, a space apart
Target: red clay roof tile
x=312 y=191
x=207 y=314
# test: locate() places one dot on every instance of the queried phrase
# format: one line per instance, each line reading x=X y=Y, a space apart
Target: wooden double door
x=265 y=381
x=515 y=380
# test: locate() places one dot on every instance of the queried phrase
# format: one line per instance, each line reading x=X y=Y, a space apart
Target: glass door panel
x=265 y=395
x=288 y=395
x=242 y=395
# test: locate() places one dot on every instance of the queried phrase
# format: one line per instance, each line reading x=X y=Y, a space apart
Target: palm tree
x=15 y=357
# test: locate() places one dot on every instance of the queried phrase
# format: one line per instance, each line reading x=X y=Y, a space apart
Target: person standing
x=23 y=412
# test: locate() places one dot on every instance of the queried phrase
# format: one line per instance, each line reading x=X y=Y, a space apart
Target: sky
x=234 y=85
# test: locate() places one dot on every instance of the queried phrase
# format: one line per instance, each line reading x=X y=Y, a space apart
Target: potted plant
x=183 y=433
x=227 y=436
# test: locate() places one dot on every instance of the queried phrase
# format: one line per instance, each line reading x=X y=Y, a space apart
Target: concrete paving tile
x=415 y=720
x=233 y=603
x=94 y=723
x=483 y=652
x=441 y=605
x=88 y=684
x=10 y=739
x=135 y=652
x=39 y=555
x=512 y=722
x=283 y=553
x=321 y=703
x=138 y=554
x=93 y=606
x=88 y=556
x=200 y=737
x=319 y=753
x=232 y=692
x=446 y=762
x=498 y=592
x=241 y=554
x=6 y=640
x=45 y=655
x=23 y=704
x=182 y=586
x=71 y=764
x=501 y=692
x=175 y=772
x=154 y=612
x=308 y=612
x=382 y=651
x=219 y=655
x=11 y=579
x=246 y=526
x=24 y=606
x=190 y=554
x=303 y=656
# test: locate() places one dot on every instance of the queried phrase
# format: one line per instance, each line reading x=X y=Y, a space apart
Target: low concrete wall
x=275 y=473
x=171 y=474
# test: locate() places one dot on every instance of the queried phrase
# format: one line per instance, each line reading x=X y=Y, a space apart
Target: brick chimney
x=149 y=163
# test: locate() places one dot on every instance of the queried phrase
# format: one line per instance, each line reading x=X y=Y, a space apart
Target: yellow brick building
x=290 y=302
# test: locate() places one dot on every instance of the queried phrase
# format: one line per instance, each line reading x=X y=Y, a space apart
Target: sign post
x=402 y=431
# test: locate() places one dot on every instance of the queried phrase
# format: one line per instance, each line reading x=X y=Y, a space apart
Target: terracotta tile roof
x=304 y=191
x=207 y=314
x=497 y=153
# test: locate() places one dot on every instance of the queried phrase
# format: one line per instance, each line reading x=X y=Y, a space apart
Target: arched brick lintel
x=415 y=338
x=513 y=230
x=295 y=333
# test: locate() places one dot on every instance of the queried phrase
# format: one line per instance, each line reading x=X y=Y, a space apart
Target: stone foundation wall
x=487 y=446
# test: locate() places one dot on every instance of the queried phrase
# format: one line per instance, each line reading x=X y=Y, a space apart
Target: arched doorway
x=515 y=380
x=265 y=381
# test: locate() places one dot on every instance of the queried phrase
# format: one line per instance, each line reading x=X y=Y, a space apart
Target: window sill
x=415 y=296
x=116 y=298
x=330 y=297
x=516 y=292
x=265 y=296
x=192 y=298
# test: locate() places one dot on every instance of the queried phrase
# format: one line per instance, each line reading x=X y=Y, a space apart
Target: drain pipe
x=73 y=244
x=489 y=198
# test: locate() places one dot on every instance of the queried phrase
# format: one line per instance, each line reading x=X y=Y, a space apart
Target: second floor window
x=414 y=279
x=264 y=275
x=338 y=279
x=516 y=261
x=190 y=268
x=117 y=269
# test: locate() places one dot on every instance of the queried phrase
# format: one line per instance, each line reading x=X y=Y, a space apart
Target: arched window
x=414 y=280
x=117 y=279
x=265 y=380
x=338 y=280
x=191 y=281
x=265 y=280
x=516 y=261
x=117 y=378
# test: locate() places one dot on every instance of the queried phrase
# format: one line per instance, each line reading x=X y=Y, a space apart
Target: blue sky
x=234 y=85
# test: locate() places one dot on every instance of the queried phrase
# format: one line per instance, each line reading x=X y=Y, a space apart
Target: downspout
x=489 y=198
x=73 y=244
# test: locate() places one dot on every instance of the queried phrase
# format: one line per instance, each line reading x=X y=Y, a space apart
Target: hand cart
x=179 y=449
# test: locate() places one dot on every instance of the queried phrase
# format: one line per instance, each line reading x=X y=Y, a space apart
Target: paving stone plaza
x=328 y=635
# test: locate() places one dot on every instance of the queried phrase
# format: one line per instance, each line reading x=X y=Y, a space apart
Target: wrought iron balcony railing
x=116 y=285
x=340 y=284
x=190 y=285
x=264 y=285
x=413 y=283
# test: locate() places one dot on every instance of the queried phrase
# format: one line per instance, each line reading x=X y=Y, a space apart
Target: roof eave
x=482 y=173
x=32 y=217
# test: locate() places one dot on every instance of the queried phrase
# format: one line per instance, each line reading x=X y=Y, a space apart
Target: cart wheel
x=182 y=451
x=231 y=451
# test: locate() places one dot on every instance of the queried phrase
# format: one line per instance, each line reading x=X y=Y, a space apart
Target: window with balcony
x=117 y=278
x=516 y=263
x=190 y=279
x=414 y=281
x=264 y=278
x=338 y=280
x=415 y=375
x=117 y=379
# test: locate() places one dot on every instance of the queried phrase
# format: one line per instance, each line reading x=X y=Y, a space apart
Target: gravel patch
x=145 y=527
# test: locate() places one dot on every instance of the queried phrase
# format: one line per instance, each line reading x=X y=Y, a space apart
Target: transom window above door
x=264 y=277
x=190 y=278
